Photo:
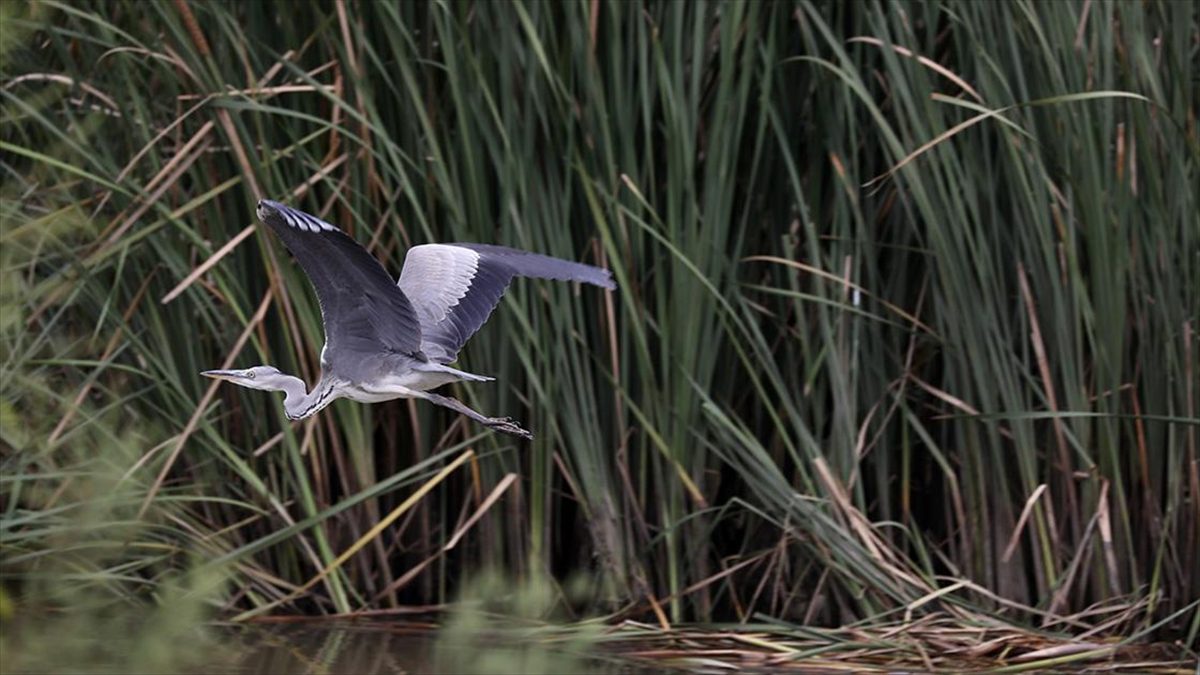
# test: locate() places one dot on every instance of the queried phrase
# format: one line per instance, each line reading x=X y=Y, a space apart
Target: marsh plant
x=90 y=584
x=499 y=625
x=905 y=321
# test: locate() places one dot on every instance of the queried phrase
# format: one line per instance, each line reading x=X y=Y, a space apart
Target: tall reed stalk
x=906 y=317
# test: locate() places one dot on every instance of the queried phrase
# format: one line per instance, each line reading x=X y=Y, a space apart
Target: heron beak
x=231 y=375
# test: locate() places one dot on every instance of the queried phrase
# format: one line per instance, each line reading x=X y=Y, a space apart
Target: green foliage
x=88 y=583
x=496 y=627
x=885 y=325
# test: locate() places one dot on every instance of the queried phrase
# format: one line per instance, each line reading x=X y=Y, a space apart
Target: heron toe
x=508 y=426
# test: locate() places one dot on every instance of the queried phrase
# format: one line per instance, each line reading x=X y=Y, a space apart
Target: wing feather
x=363 y=311
x=455 y=287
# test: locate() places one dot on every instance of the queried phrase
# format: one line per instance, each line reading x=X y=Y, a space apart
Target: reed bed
x=905 y=333
x=932 y=644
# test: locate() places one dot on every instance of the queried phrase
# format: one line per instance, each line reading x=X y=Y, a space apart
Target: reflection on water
x=377 y=648
x=325 y=650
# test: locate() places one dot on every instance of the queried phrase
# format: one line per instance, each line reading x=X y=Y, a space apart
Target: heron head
x=266 y=378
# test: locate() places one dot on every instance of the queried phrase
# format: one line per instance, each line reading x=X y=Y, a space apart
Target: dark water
x=312 y=649
x=319 y=650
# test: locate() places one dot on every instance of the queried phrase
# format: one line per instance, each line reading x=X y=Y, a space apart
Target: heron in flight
x=387 y=339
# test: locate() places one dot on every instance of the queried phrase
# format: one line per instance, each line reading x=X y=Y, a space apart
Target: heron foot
x=508 y=426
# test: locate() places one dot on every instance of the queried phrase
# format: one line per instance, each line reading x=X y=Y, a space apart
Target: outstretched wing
x=364 y=313
x=455 y=287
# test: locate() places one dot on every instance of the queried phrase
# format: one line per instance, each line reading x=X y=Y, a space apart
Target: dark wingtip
x=266 y=208
x=596 y=276
x=278 y=215
x=607 y=281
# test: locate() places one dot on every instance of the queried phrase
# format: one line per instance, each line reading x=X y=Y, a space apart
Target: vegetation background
x=906 y=323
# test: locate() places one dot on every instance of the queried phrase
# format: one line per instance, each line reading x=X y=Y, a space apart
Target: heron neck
x=299 y=404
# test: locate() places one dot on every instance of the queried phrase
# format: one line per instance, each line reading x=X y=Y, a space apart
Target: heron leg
x=501 y=424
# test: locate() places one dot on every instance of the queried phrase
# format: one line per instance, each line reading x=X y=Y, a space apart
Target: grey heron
x=388 y=339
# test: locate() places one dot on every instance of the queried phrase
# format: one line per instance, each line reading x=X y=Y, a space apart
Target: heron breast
x=405 y=385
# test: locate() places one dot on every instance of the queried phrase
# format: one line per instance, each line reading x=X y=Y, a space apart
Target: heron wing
x=455 y=287
x=363 y=311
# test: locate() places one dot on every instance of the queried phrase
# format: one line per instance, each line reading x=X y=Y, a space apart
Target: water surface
x=378 y=648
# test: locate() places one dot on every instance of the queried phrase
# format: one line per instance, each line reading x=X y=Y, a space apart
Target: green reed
x=906 y=302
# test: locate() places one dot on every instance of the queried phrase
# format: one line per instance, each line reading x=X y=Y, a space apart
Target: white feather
x=305 y=222
x=435 y=278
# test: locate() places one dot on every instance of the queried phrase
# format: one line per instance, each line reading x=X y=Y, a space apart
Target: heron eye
x=250 y=374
